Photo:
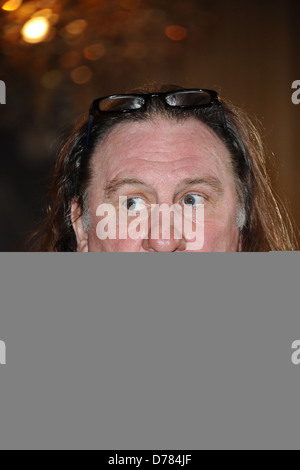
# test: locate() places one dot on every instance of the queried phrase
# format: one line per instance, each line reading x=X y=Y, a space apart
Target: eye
x=193 y=200
x=135 y=204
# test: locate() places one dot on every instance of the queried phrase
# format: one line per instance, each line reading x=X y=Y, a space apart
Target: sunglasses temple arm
x=91 y=116
x=224 y=117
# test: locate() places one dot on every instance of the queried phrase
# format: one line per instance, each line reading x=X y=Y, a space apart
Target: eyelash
x=141 y=196
x=194 y=194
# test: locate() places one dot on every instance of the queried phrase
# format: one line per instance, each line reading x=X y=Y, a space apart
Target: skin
x=170 y=160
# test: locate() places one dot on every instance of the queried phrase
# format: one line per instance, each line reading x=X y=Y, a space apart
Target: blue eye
x=193 y=200
x=135 y=204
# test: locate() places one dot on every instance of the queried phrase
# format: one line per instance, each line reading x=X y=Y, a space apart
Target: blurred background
x=58 y=55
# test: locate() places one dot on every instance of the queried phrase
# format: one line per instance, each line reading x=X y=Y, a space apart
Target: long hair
x=267 y=227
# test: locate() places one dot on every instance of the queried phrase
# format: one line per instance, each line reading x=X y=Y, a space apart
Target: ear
x=81 y=235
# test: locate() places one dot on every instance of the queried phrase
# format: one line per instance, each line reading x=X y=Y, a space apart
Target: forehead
x=161 y=148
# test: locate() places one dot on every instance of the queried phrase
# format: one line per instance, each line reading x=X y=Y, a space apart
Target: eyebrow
x=115 y=184
x=211 y=181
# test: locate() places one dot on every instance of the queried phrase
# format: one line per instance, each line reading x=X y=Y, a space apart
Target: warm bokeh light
x=47 y=12
x=12 y=5
x=94 y=51
x=54 y=18
x=35 y=30
x=81 y=75
x=76 y=27
x=176 y=32
x=27 y=10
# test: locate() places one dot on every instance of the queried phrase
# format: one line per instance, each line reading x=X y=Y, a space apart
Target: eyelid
x=144 y=201
x=130 y=195
x=138 y=196
x=194 y=193
x=128 y=198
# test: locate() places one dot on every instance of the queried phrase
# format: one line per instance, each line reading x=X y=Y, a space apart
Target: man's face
x=162 y=162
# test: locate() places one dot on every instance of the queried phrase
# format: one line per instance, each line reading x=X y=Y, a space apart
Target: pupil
x=130 y=203
x=189 y=200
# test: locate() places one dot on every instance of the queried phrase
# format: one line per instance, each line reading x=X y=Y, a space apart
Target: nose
x=175 y=242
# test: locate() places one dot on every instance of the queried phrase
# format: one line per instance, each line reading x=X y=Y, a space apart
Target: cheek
x=115 y=246
x=220 y=236
x=110 y=244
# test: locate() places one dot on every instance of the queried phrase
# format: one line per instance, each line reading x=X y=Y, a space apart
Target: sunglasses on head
x=130 y=103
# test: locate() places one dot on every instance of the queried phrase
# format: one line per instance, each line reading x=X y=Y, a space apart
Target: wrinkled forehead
x=159 y=144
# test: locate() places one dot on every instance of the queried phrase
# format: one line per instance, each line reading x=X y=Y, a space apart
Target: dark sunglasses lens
x=189 y=98
x=121 y=103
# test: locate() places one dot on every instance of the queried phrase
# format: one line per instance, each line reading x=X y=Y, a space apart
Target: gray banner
x=127 y=351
